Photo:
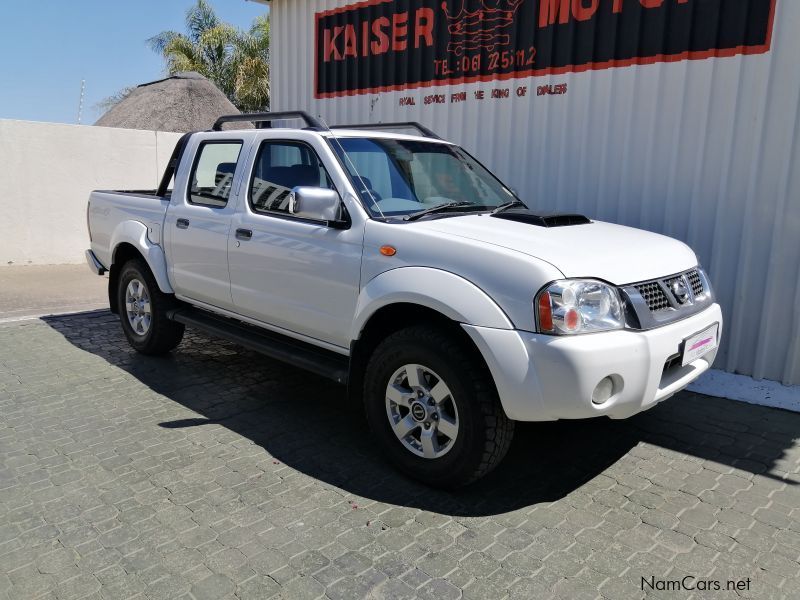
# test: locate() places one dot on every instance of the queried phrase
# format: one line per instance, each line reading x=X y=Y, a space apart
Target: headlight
x=574 y=306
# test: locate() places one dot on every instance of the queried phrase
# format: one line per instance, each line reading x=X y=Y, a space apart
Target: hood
x=614 y=253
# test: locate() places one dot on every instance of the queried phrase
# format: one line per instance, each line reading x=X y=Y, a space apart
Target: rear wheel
x=433 y=408
x=143 y=311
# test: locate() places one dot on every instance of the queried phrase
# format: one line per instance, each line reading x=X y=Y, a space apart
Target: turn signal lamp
x=545 y=313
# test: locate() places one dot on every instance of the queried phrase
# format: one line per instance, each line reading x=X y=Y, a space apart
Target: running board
x=285 y=349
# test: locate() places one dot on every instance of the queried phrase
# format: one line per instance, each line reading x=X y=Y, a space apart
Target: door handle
x=244 y=234
x=182 y=223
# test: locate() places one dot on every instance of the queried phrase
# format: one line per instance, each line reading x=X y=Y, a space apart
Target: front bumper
x=543 y=378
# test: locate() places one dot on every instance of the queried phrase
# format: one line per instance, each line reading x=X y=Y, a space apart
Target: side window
x=212 y=173
x=279 y=167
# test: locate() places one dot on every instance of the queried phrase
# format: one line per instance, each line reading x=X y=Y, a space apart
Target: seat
x=279 y=176
x=223 y=169
x=304 y=175
x=366 y=190
x=274 y=183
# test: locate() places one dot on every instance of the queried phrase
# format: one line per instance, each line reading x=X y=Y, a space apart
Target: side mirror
x=319 y=204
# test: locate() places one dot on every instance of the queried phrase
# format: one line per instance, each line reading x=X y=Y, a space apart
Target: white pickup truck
x=399 y=265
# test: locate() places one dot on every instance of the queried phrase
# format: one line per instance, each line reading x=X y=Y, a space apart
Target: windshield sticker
x=387 y=45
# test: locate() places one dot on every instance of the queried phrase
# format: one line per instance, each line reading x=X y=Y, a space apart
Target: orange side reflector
x=388 y=250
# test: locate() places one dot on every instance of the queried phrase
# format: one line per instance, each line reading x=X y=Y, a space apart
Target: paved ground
x=46 y=289
x=216 y=473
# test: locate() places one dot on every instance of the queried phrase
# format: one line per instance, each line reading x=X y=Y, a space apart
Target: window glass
x=284 y=155
x=396 y=177
x=380 y=169
x=212 y=174
x=281 y=166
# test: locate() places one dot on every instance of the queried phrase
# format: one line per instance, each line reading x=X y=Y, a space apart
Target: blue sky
x=48 y=46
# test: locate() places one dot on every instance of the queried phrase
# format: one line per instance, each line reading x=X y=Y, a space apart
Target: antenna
x=351 y=165
x=80 y=102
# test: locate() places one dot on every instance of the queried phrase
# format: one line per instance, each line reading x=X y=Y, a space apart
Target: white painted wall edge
x=746 y=389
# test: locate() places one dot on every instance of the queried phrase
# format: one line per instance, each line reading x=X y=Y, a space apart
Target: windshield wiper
x=435 y=209
x=507 y=205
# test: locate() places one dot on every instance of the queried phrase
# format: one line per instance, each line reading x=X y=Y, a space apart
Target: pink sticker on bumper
x=697 y=345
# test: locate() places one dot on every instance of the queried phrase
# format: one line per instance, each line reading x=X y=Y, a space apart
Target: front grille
x=695 y=282
x=654 y=296
x=657 y=293
x=660 y=301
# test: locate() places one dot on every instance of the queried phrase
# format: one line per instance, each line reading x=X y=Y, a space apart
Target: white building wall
x=48 y=172
x=702 y=150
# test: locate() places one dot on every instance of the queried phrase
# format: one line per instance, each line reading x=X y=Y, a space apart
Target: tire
x=154 y=333
x=466 y=406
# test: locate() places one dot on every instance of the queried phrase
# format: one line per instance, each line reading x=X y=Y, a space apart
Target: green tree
x=236 y=61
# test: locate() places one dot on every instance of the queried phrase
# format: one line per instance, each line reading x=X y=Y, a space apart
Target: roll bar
x=267 y=117
x=398 y=125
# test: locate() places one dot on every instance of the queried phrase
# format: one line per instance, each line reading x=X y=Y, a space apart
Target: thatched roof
x=183 y=102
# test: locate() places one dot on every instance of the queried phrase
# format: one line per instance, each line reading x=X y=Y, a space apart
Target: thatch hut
x=183 y=102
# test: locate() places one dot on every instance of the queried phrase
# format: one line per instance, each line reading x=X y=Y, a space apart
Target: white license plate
x=699 y=344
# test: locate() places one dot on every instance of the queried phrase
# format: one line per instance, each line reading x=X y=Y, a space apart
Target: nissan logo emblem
x=418 y=411
x=681 y=290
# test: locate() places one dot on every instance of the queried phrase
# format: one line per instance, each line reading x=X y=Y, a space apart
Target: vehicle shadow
x=306 y=423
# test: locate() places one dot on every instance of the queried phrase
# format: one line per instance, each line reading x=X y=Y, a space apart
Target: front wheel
x=143 y=311
x=433 y=408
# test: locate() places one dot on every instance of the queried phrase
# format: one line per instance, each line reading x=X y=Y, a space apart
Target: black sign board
x=382 y=45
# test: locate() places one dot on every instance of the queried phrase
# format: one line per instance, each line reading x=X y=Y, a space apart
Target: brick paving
x=216 y=473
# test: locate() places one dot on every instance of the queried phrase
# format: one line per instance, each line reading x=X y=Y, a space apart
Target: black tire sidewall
x=155 y=340
x=457 y=466
x=132 y=271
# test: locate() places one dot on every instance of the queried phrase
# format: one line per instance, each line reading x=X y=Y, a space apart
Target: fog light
x=603 y=391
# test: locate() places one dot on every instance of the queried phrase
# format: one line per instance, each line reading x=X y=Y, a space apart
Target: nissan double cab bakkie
x=397 y=264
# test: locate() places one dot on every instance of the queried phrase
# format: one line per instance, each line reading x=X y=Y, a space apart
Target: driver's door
x=289 y=272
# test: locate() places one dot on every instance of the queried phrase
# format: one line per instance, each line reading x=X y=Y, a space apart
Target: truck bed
x=108 y=208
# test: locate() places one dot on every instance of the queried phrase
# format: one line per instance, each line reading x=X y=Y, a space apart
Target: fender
x=135 y=233
x=453 y=296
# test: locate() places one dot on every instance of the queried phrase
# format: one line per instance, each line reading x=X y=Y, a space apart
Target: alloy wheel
x=137 y=307
x=421 y=411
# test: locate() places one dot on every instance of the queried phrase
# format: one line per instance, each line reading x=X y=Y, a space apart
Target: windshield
x=401 y=177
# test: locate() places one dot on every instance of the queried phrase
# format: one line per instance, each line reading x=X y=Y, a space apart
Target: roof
x=332 y=134
x=389 y=135
x=182 y=102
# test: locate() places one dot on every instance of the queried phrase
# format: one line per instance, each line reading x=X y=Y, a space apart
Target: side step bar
x=300 y=354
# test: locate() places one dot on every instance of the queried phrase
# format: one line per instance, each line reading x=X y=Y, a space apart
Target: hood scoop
x=524 y=215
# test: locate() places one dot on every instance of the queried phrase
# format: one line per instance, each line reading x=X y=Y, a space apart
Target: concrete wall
x=48 y=171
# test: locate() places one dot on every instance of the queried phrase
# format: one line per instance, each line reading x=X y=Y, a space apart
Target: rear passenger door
x=297 y=275
x=198 y=221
